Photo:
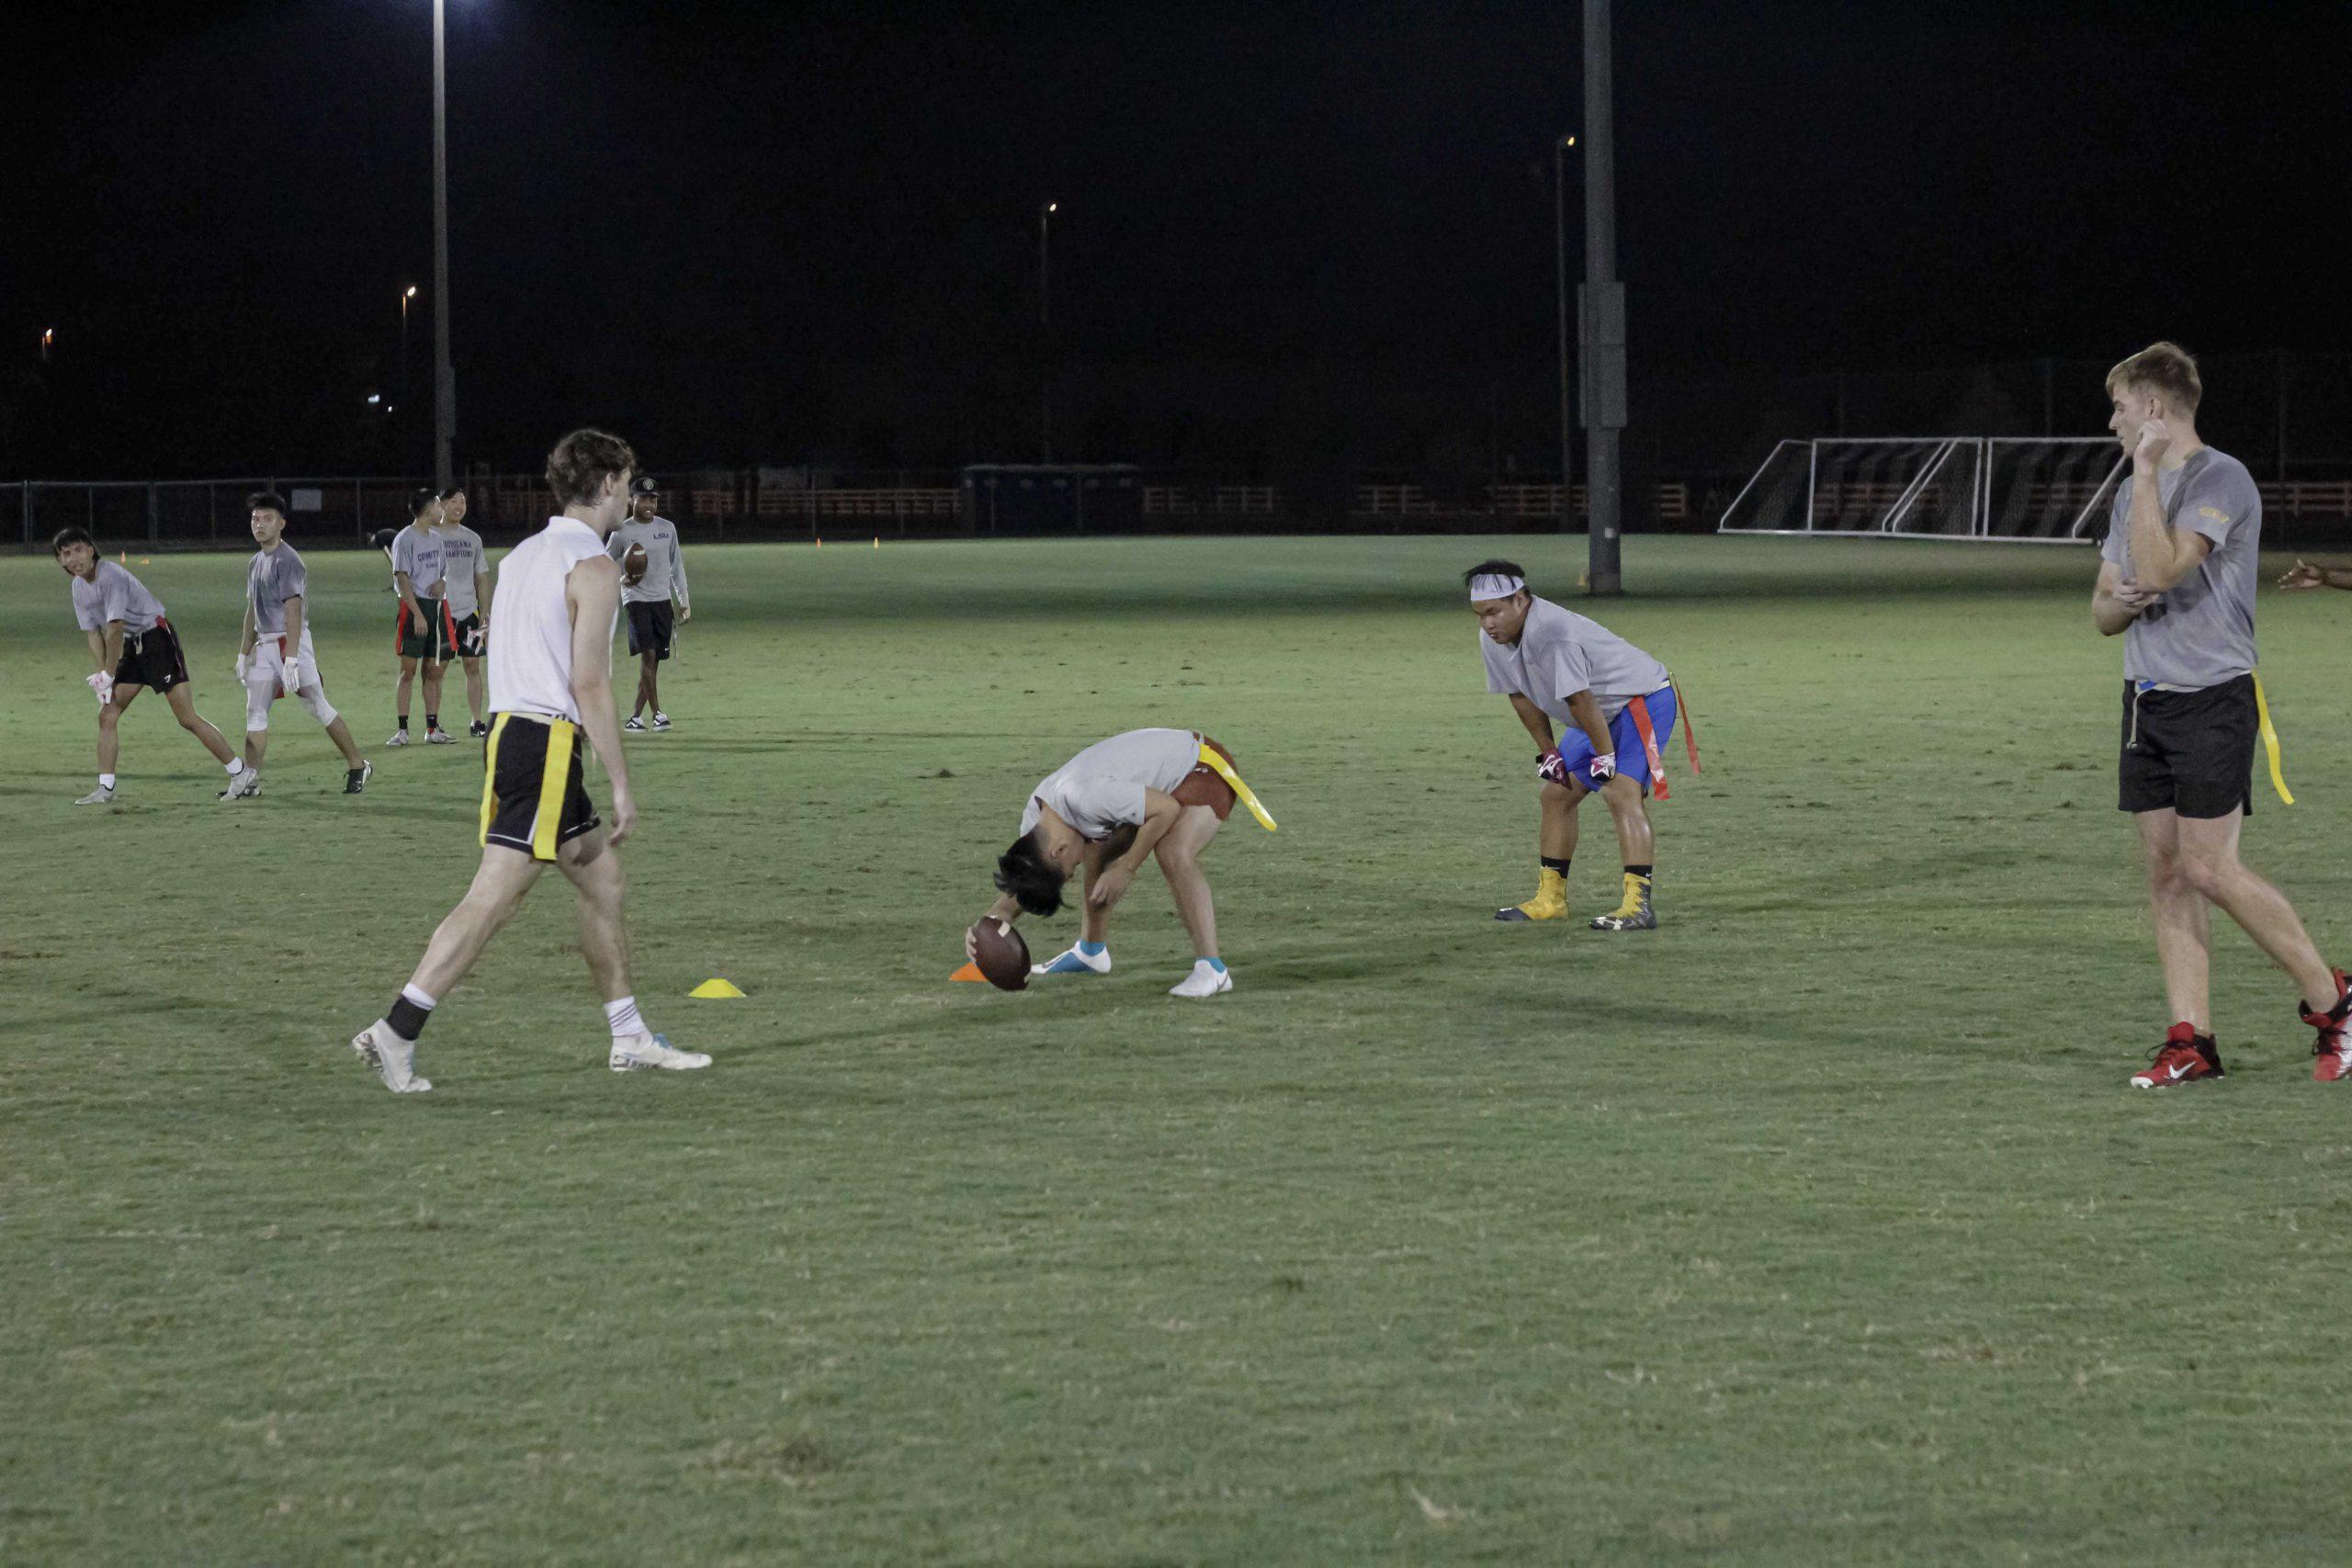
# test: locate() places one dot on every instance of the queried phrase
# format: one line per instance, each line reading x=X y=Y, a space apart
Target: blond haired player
x=551 y=681
x=274 y=657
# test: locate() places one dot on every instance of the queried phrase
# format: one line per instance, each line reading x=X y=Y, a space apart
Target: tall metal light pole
x=1567 y=392
x=445 y=380
x=406 y=295
x=1603 y=312
x=1045 y=327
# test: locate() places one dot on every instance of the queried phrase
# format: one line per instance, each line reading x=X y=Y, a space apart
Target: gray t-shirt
x=1102 y=789
x=665 y=564
x=273 y=577
x=461 y=558
x=2201 y=633
x=116 y=596
x=417 y=551
x=1560 y=653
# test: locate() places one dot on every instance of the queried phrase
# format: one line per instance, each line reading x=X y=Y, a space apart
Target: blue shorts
x=1633 y=761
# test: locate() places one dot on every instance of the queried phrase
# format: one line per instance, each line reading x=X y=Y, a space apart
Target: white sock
x=624 y=1017
x=419 y=998
x=106 y=781
x=236 y=766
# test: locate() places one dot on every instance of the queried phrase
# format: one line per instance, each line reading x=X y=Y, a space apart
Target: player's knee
x=314 y=703
x=1558 y=794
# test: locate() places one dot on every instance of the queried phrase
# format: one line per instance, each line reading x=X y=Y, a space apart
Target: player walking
x=550 y=680
x=464 y=567
x=2176 y=576
x=274 y=653
x=648 y=598
x=1617 y=705
x=1119 y=802
x=424 y=634
x=131 y=645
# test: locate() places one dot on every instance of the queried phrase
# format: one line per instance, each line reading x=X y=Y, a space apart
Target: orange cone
x=969 y=972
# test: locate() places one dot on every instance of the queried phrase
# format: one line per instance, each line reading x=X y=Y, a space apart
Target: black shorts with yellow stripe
x=532 y=797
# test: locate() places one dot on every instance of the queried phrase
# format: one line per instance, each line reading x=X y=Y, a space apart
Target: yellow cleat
x=1550 y=903
x=1633 y=915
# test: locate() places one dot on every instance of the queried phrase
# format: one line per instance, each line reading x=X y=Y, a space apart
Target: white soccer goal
x=1936 y=486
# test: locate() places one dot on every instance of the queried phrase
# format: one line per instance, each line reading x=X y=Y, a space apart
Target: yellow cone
x=714 y=988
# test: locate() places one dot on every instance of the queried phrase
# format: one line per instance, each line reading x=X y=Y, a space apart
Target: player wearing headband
x=1616 y=704
x=1108 y=809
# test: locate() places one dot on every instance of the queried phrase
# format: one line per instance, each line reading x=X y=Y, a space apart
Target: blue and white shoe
x=1076 y=963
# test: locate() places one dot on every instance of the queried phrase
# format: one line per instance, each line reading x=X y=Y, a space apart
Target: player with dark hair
x=1148 y=793
x=131 y=645
x=644 y=600
x=275 y=656
x=2178 y=574
x=1618 y=706
x=423 y=635
x=550 y=680
x=464 y=567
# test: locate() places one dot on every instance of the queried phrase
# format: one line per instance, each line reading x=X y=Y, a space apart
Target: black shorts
x=649 y=628
x=430 y=634
x=468 y=636
x=532 y=797
x=152 y=659
x=2190 y=752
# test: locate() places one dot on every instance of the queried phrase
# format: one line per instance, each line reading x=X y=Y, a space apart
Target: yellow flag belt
x=1241 y=792
x=2270 y=740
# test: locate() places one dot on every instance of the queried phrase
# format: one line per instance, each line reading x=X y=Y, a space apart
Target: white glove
x=101 y=682
x=289 y=672
x=1605 y=765
x=245 y=662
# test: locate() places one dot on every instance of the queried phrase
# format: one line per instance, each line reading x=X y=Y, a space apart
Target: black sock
x=1641 y=871
x=1555 y=863
x=406 y=1017
x=433 y=721
x=403 y=721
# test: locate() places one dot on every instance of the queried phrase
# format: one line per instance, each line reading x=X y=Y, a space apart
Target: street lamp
x=406 y=295
x=1568 y=409
x=1045 y=325
x=48 y=336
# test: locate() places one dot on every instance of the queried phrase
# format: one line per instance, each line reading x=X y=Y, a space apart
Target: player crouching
x=1108 y=809
x=1618 y=705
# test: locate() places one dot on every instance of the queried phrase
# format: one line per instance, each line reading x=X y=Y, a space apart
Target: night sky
x=1288 y=233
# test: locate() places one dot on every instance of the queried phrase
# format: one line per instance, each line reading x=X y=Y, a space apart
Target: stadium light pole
x=406 y=295
x=1602 y=313
x=445 y=380
x=1045 y=327
x=1568 y=394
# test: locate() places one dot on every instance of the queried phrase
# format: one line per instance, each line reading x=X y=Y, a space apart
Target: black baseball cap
x=643 y=485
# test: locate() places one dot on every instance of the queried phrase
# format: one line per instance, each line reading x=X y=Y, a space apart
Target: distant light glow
x=374 y=398
x=412 y=293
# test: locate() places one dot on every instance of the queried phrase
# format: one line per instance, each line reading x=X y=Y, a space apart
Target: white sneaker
x=634 y=725
x=399 y=737
x=393 y=1058
x=439 y=738
x=98 y=796
x=244 y=786
x=1203 y=981
x=1075 y=963
x=652 y=1051
x=660 y=719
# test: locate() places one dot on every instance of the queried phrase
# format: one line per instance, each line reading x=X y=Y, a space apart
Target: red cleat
x=2332 y=1052
x=2184 y=1057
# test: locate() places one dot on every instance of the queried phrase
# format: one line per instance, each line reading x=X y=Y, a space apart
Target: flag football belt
x=2269 y=740
x=1214 y=760
x=1640 y=708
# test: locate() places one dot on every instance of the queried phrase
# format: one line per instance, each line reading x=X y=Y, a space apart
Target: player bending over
x=131 y=645
x=646 y=600
x=550 y=680
x=465 y=568
x=274 y=657
x=423 y=635
x=1618 y=707
x=2176 y=576
x=1111 y=807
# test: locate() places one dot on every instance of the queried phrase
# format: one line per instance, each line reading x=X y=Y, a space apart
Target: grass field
x=1816 y=1227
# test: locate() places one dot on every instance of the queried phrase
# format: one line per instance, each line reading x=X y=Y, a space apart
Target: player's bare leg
x=648 y=683
x=595 y=874
x=473 y=689
x=406 y=683
x=1638 y=845
x=1091 y=955
x=498 y=885
x=195 y=724
x=340 y=733
x=110 y=727
x=2183 y=919
x=256 y=747
x=1178 y=852
x=433 y=672
x=1556 y=843
x=2208 y=860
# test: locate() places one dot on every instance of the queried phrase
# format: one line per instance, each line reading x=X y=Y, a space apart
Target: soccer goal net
x=1948 y=487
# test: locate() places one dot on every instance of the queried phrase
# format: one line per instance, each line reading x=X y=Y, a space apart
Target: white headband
x=1495 y=587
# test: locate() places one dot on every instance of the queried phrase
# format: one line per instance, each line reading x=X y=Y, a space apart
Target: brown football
x=1002 y=956
x=633 y=564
